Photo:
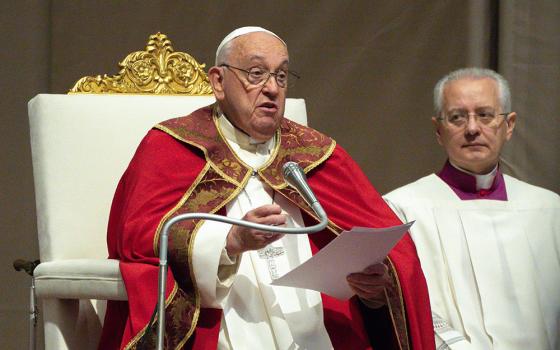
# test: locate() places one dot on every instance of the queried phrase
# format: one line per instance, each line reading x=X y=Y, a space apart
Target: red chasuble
x=184 y=165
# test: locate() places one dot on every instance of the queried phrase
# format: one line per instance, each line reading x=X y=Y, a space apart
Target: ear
x=437 y=125
x=216 y=80
x=511 y=118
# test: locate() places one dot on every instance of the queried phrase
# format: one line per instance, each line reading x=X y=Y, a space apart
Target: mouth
x=473 y=145
x=269 y=107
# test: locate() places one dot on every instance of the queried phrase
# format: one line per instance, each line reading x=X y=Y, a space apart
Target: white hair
x=473 y=73
x=223 y=53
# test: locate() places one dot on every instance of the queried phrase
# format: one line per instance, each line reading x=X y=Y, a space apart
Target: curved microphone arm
x=163 y=239
x=294 y=176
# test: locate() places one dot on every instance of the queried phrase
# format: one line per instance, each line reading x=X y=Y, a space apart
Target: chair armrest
x=80 y=279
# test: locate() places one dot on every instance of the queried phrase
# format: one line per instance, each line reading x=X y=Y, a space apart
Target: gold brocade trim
x=193 y=279
x=393 y=321
x=157 y=70
x=403 y=313
x=238 y=189
x=178 y=206
x=156 y=252
x=200 y=183
x=141 y=333
x=203 y=149
x=327 y=154
x=194 y=233
x=197 y=300
x=300 y=144
x=331 y=226
x=307 y=169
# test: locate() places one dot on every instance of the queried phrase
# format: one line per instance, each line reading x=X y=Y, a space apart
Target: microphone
x=295 y=177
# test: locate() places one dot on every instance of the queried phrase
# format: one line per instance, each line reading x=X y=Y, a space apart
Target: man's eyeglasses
x=460 y=118
x=259 y=76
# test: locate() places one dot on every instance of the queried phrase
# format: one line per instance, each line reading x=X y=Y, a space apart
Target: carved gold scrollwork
x=158 y=70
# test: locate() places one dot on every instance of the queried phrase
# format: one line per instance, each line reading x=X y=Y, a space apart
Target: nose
x=472 y=127
x=271 y=85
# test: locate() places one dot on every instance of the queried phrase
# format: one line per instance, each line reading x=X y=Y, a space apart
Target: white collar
x=483 y=181
x=246 y=142
x=254 y=154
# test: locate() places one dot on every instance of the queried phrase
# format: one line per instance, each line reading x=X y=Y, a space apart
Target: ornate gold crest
x=158 y=70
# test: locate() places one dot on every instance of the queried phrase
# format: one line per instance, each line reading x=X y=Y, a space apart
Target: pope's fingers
x=378 y=269
x=275 y=219
x=377 y=293
x=368 y=279
x=366 y=289
x=272 y=236
x=263 y=211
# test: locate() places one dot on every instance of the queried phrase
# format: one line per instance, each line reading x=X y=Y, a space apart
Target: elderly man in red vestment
x=227 y=159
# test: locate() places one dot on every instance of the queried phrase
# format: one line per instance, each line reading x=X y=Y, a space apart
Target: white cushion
x=80 y=279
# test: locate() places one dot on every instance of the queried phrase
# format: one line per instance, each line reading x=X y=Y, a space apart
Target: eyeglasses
x=460 y=118
x=259 y=76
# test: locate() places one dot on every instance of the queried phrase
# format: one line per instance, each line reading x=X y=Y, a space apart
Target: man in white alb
x=489 y=244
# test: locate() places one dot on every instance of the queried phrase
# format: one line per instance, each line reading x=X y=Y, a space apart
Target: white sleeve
x=395 y=208
x=446 y=337
x=213 y=269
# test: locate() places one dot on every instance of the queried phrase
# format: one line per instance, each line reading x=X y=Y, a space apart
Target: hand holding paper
x=352 y=251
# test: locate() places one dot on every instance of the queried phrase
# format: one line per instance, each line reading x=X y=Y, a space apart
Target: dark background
x=368 y=69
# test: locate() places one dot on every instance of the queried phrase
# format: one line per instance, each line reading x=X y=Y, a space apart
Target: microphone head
x=295 y=177
x=291 y=171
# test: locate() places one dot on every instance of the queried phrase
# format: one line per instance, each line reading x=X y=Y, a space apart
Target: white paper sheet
x=352 y=251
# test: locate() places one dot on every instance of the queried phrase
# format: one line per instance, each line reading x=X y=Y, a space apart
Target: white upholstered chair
x=81 y=144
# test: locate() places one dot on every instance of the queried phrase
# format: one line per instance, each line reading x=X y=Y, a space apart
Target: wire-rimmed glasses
x=487 y=118
x=259 y=76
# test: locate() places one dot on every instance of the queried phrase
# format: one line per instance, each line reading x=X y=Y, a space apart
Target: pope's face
x=255 y=109
x=474 y=147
